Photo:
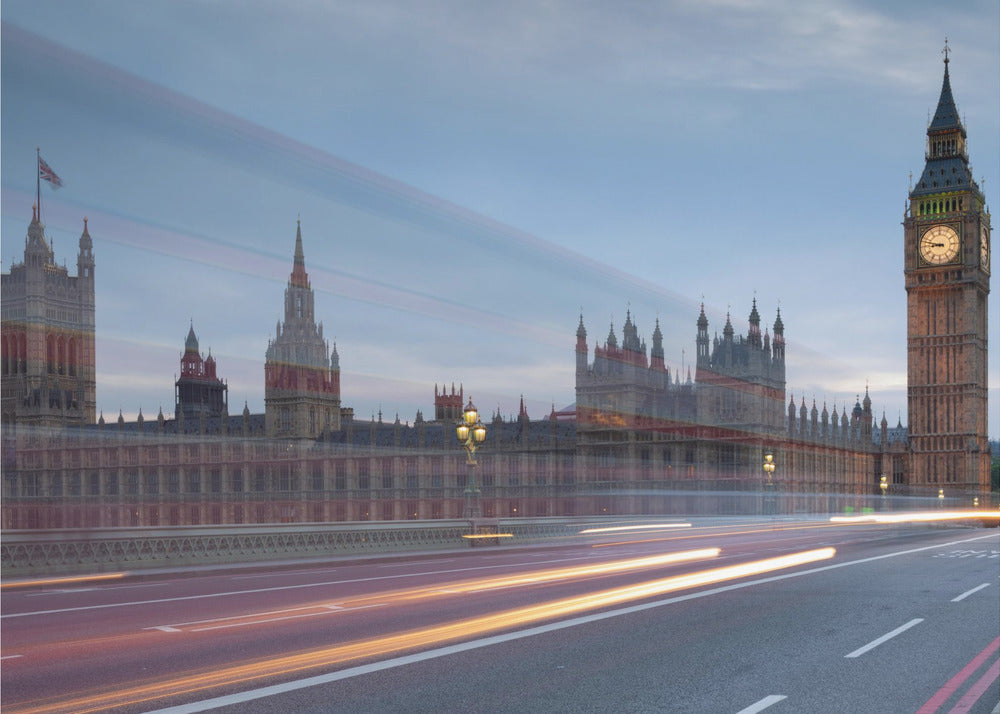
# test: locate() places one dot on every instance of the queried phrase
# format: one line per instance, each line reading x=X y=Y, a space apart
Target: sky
x=473 y=177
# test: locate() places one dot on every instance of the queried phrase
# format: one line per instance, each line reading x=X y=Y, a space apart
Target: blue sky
x=469 y=176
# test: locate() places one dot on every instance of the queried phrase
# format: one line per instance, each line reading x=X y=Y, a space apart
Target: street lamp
x=768 y=466
x=471 y=433
x=769 y=470
x=940 y=497
x=883 y=486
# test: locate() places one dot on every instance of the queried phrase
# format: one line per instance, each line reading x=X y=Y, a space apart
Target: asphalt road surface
x=745 y=616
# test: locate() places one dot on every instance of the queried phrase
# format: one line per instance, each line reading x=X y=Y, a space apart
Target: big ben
x=947 y=271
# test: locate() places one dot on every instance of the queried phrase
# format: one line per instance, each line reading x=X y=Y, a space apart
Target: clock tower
x=946 y=233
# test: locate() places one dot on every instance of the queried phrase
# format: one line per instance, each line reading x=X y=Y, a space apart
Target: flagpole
x=38 y=181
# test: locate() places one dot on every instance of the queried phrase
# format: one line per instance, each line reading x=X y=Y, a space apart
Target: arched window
x=72 y=357
x=61 y=354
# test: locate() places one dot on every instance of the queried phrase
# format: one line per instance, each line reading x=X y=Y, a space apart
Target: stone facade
x=947 y=267
x=301 y=373
x=199 y=393
x=639 y=440
x=48 y=336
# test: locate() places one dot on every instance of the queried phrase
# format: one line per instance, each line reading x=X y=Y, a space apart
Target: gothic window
x=236 y=481
x=29 y=486
x=284 y=478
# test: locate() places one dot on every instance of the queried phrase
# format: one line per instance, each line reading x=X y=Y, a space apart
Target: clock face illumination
x=939 y=245
x=984 y=248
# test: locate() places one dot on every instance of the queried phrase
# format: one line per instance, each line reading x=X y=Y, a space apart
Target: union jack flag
x=46 y=173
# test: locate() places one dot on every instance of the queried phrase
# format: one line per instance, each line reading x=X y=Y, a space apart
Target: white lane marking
x=884 y=638
x=10 y=657
x=282 y=587
x=283 y=572
x=763 y=704
x=407 y=565
x=261 y=693
x=969 y=592
x=258 y=622
x=73 y=591
x=248 y=620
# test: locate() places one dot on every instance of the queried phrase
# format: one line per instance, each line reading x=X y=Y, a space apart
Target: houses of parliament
x=639 y=439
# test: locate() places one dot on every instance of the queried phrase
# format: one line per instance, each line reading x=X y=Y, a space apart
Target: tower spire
x=946 y=114
x=299 y=275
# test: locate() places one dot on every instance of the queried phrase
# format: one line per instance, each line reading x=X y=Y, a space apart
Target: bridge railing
x=32 y=553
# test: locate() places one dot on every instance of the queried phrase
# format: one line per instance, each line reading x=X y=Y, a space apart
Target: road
x=741 y=617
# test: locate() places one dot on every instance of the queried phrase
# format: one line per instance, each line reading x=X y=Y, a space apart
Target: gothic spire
x=946 y=114
x=191 y=343
x=754 y=335
x=947 y=166
x=657 y=350
x=299 y=275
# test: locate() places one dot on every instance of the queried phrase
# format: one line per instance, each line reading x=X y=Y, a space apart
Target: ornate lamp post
x=883 y=486
x=471 y=433
x=769 y=471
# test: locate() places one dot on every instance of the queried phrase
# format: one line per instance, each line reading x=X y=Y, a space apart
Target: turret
x=656 y=354
x=85 y=258
x=778 y=346
x=754 y=336
x=702 y=338
x=581 y=348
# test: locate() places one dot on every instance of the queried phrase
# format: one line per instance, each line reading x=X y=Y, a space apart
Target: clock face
x=984 y=248
x=939 y=245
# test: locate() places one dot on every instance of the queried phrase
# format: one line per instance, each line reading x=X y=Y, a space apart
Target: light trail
x=68 y=580
x=539 y=577
x=414 y=639
x=384 y=599
x=650 y=527
x=713 y=534
x=921 y=517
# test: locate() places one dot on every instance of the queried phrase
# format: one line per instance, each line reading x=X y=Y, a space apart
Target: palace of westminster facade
x=640 y=439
